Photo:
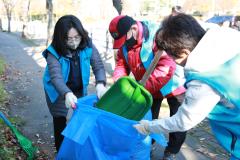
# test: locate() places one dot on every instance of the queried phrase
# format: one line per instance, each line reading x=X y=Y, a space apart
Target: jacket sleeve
x=199 y=101
x=55 y=72
x=97 y=66
x=162 y=73
x=121 y=68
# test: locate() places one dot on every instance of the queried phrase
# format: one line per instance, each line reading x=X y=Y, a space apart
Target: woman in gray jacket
x=67 y=73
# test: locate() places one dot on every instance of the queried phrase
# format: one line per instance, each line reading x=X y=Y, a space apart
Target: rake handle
x=4 y=118
x=151 y=68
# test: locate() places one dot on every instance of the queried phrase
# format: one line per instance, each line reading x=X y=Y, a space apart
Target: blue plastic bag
x=94 y=134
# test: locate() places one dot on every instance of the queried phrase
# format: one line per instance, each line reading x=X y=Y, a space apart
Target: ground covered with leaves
x=9 y=146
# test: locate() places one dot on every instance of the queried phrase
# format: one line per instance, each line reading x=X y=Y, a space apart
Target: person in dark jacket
x=67 y=73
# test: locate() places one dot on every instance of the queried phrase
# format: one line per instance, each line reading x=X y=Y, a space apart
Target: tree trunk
x=9 y=23
x=127 y=7
x=9 y=5
x=26 y=20
x=50 y=18
x=118 y=5
x=1 y=24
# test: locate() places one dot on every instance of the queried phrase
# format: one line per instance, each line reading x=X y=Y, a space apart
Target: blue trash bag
x=94 y=134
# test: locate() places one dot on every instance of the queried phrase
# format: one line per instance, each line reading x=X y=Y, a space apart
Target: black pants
x=176 y=139
x=59 y=123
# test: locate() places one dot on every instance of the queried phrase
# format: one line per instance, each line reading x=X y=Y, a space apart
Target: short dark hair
x=179 y=32
x=63 y=25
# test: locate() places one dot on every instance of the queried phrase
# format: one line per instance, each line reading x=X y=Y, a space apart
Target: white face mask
x=73 y=44
x=73 y=39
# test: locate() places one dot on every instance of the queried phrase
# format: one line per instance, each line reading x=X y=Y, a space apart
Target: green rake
x=24 y=142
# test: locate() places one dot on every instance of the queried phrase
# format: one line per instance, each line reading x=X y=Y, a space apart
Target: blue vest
x=147 y=55
x=225 y=122
x=84 y=56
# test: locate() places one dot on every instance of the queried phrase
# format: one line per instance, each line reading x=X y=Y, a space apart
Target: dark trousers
x=176 y=139
x=59 y=123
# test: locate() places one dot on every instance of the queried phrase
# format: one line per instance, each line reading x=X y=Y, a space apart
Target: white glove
x=143 y=127
x=101 y=90
x=70 y=100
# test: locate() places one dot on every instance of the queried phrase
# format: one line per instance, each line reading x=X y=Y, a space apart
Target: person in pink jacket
x=136 y=48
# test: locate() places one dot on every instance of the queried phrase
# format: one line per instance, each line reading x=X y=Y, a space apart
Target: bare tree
x=9 y=5
x=49 y=7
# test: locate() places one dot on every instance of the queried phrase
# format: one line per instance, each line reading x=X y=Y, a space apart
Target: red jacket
x=159 y=77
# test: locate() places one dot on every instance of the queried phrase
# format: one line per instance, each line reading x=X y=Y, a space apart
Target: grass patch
x=27 y=41
x=2 y=66
x=8 y=147
x=3 y=94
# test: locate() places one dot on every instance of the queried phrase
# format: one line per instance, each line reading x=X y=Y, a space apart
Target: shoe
x=169 y=156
